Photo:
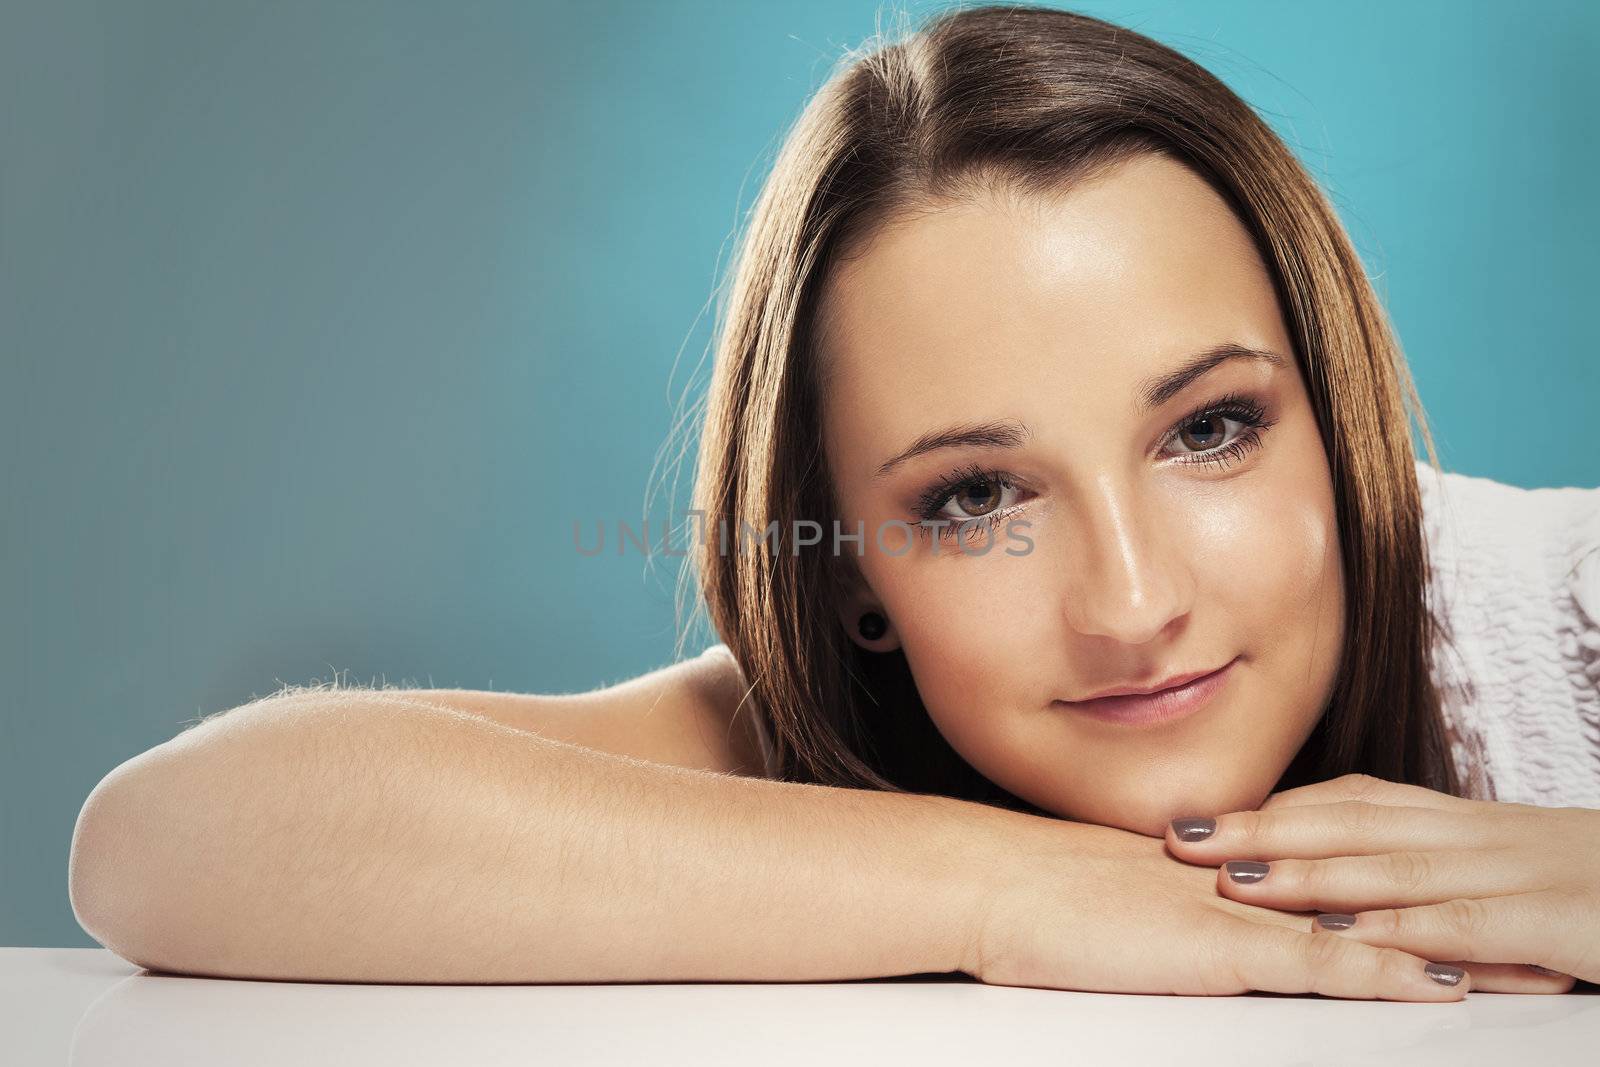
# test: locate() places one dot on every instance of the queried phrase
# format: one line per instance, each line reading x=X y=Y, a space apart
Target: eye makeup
x=931 y=501
x=1240 y=408
x=1247 y=411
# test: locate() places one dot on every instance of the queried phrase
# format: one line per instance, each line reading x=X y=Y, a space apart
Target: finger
x=1345 y=828
x=1513 y=978
x=1392 y=880
x=1274 y=959
x=1367 y=788
x=1523 y=928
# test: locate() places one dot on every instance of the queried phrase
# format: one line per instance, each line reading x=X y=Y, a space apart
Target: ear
x=857 y=600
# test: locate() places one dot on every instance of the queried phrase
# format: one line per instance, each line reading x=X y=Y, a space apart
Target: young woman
x=1200 y=718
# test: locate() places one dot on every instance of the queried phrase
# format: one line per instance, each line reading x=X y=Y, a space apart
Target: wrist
x=1010 y=860
x=970 y=863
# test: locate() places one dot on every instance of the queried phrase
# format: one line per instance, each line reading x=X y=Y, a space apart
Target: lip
x=1163 y=705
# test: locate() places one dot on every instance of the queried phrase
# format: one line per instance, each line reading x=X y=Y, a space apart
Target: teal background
x=321 y=322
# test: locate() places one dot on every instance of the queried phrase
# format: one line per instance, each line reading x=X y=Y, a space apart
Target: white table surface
x=89 y=1007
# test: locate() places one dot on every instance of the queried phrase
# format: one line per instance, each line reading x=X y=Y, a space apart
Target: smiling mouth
x=1162 y=705
x=1174 y=682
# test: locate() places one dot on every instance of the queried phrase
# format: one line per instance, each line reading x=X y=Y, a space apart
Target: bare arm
x=361 y=836
x=364 y=836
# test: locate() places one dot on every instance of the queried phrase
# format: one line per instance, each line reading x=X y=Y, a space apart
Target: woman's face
x=1160 y=540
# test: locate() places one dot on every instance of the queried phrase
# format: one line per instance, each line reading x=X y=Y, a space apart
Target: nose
x=1128 y=574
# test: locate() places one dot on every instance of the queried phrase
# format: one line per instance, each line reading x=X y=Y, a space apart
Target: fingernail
x=1336 y=921
x=1246 y=872
x=1194 y=829
x=1443 y=973
x=1545 y=970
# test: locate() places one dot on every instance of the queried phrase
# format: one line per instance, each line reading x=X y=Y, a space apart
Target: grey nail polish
x=1194 y=829
x=1336 y=921
x=1545 y=970
x=1246 y=872
x=1443 y=973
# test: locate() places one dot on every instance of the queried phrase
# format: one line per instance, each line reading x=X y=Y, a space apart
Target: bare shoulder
x=703 y=704
x=734 y=709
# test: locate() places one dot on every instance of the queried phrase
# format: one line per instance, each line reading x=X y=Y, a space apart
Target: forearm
x=362 y=838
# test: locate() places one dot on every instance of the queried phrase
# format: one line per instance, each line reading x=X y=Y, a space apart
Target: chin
x=1149 y=822
x=1148 y=811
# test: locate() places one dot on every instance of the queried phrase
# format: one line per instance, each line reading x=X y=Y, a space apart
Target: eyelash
x=1245 y=410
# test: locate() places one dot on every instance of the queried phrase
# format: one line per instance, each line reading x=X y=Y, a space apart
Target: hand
x=1088 y=907
x=1495 y=887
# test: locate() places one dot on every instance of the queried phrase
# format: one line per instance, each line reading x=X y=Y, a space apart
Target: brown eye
x=1213 y=430
x=966 y=496
x=978 y=498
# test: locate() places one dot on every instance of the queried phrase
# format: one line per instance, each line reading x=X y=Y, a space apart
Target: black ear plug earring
x=872 y=625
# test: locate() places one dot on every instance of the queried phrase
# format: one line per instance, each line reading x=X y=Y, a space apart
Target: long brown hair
x=1035 y=97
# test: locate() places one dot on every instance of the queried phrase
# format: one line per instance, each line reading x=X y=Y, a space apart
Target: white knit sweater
x=1517 y=580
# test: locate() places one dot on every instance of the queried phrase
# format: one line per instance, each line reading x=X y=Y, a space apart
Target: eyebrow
x=1153 y=392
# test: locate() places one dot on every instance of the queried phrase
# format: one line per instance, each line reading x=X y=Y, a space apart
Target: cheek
x=969 y=629
x=1270 y=578
x=1270 y=558
x=1275 y=580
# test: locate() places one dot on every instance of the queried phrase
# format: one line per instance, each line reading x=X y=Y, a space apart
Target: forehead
x=994 y=307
